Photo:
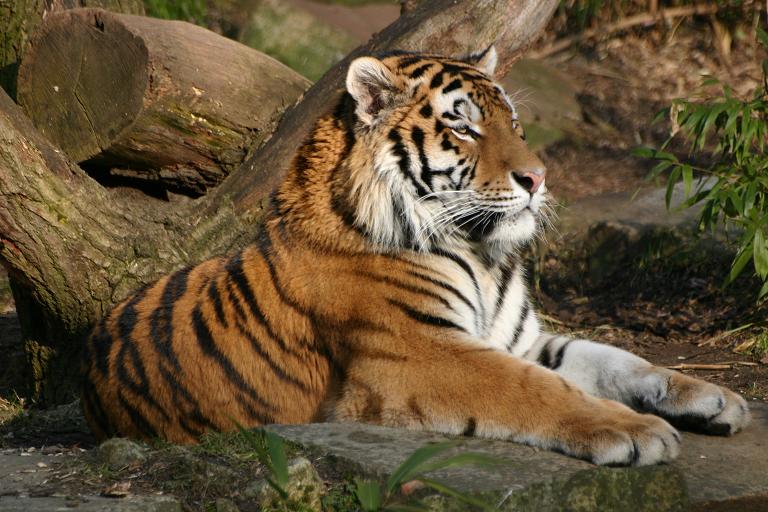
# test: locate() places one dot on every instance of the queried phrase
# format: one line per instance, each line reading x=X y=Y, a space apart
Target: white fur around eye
x=462 y=136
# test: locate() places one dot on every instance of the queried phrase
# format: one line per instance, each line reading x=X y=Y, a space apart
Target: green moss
x=296 y=38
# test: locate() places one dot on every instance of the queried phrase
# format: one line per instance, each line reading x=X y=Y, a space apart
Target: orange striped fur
x=359 y=302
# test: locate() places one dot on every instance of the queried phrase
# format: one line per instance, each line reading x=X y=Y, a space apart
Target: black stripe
x=456 y=84
x=101 y=342
x=446 y=287
x=208 y=346
x=425 y=318
x=524 y=310
x=436 y=81
x=559 y=355
x=507 y=270
x=256 y=345
x=468 y=270
x=402 y=219
x=409 y=61
x=405 y=286
x=137 y=418
x=129 y=354
x=417 y=136
x=545 y=358
x=264 y=245
x=214 y=295
x=161 y=320
x=416 y=73
x=404 y=161
x=237 y=275
x=92 y=402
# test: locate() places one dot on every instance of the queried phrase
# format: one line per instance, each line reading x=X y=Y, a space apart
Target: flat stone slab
x=709 y=470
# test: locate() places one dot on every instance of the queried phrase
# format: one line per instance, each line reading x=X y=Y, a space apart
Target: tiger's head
x=439 y=154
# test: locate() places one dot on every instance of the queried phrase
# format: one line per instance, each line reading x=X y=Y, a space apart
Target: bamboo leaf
x=744 y=255
x=687 y=180
x=671 y=182
x=763 y=291
x=760 y=254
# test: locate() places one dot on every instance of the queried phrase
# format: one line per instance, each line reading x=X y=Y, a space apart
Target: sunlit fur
x=385 y=287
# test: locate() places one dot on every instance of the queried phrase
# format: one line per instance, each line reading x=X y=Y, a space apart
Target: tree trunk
x=157 y=100
x=20 y=18
x=75 y=248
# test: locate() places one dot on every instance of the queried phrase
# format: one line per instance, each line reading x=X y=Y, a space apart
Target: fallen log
x=75 y=248
x=20 y=18
x=151 y=99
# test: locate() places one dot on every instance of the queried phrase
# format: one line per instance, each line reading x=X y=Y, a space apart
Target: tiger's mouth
x=481 y=223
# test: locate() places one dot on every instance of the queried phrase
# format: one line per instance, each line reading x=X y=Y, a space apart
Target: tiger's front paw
x=693 y=404
x=618 y=436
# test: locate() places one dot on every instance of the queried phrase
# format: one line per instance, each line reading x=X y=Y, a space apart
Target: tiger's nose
x=531 y=180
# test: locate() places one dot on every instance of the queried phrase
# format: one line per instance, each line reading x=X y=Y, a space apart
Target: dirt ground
x=668 y=308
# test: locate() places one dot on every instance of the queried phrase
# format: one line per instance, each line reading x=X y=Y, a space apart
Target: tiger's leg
x=613 y=373
x=457 y=387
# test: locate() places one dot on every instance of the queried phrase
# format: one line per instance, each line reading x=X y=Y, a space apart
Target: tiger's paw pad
x=699 y=406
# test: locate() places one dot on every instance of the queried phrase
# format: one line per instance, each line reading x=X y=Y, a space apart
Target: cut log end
x=167 y=102
x=84 y=98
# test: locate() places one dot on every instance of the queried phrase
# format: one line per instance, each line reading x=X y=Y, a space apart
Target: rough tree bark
x=151 y=99
x=20 y=18
x=75 y=248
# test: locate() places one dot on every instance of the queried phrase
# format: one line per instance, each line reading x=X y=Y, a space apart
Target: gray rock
x=710 y=470
x=304 y=489
x=119 y=453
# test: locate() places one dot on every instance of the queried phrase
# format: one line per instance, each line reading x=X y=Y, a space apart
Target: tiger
x=387 y=286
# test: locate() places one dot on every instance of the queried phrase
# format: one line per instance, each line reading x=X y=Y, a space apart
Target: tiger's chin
x=514 y=230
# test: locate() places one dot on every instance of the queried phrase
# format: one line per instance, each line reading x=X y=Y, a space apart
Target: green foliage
x=372 y=496
x=734 y=187
x=186 y=10
x=270 y=451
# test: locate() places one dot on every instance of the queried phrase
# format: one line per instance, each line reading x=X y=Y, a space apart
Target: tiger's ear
x=372 y=85
x=485 y=61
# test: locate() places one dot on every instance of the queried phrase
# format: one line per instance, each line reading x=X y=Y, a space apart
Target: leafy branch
x=735 y=190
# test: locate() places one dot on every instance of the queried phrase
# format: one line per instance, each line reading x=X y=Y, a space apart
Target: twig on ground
x=692 y=366
x=646 y=18
x=723 y=365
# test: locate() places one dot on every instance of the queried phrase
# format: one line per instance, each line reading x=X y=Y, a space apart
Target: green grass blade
x=449 y=491
x=461 y=459
x=368 y=493
x=417 y=458
x=276 y=450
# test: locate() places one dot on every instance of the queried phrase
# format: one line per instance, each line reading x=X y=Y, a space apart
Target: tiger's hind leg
x=610 y=372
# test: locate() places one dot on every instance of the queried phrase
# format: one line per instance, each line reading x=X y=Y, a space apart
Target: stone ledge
x=711 y=471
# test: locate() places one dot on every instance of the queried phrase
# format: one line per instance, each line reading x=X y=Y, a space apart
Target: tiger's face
x=448 y=154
